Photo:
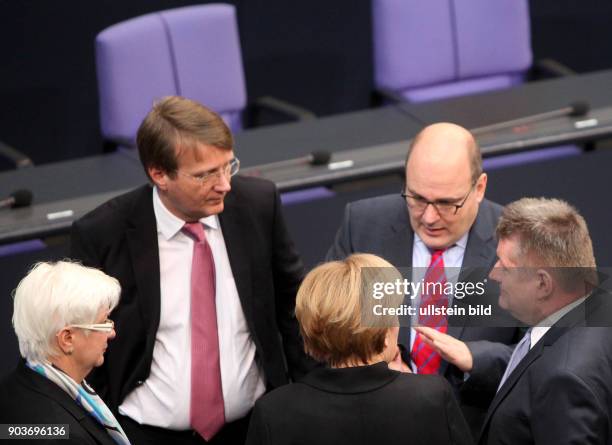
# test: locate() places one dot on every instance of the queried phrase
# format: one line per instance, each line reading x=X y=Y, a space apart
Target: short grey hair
x=554 y=232
x=54 y=295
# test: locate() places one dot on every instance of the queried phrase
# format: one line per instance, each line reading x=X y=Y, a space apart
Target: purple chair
x=191 y=51
x=427 y=50
x=434 y=49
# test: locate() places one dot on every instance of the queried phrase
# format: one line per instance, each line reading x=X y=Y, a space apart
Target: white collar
x=169 y=224
x=538 y=331
x=461 y=242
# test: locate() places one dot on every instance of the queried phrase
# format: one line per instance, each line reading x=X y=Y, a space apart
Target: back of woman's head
x=55 y=295
x=330 y=309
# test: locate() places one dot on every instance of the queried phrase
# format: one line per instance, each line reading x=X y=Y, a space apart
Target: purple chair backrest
x=191 y=51
x=420 y=43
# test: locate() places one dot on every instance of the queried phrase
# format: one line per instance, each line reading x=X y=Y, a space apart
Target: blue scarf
x=84 y=396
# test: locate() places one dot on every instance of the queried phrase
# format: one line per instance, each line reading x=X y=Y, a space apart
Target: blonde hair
x=55 y=295
x=330 y=306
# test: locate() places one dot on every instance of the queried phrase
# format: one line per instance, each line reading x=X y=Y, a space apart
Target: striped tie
x=207 y=407
x=426 y=359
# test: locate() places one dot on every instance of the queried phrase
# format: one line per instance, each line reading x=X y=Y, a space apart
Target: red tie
x=426 y=359
x=207 y=414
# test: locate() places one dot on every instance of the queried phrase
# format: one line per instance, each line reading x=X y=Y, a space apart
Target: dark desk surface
x=372 y=143
x=534 y=97
x=75 y=178
x=348 y=131
x=363 y=144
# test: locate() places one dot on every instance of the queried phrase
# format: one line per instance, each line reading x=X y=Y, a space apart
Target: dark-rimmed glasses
x=419 y=204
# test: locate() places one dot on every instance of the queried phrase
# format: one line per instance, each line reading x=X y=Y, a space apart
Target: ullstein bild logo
x=428 y=311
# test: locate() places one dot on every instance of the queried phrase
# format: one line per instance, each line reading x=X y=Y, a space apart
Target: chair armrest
x=551 y=68
x=15 y=156
x=280 y=106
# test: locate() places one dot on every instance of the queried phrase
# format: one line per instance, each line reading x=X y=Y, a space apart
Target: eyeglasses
x=419 y=204
x=107 y=326
x=228 y=170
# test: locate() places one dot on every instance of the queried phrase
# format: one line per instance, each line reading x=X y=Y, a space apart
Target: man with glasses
x=209 y=277
x=439 y=227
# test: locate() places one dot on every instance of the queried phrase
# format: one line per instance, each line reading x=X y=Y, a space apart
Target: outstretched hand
x=450 y=349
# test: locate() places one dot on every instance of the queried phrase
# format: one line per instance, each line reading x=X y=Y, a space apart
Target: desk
x=363 y=144
x=372 y=158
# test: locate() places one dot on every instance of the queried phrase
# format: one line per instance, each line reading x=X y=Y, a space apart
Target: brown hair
x=175 y=123
x=552 y=232
x=329 y=309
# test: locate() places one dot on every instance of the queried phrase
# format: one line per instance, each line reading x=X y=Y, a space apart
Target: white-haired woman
x=61 y=321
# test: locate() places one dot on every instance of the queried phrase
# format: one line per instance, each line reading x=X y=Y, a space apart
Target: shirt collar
x=461 y=242
x=169 y=224
x=537 y=332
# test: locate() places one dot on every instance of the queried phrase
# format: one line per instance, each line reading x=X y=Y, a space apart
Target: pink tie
x=207 y=409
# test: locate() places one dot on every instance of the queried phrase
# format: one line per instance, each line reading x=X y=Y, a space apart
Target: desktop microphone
x=574 y=109
x=314 y=158
x=19 y=198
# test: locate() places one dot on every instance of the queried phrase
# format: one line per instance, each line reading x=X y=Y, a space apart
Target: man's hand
x=450 y=349
x=397 y=364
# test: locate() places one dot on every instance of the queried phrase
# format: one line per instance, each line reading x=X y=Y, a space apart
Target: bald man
x=441 y=224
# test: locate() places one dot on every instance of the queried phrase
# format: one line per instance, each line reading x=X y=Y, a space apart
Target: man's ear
x=65 y=341
x=545 y=284
x=159 y=177
x=481 y=187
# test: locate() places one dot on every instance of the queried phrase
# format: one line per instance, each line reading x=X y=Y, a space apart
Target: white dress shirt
x=163 y=399
x=421 y=257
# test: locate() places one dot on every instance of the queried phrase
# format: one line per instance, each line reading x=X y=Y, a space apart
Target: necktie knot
x=195 y=231
x=436 y=254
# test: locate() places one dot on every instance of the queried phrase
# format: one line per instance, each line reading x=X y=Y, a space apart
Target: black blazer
x=561 y=392
x=28 y=397
x=361 y=405
x=120 y=237
x=381 y=226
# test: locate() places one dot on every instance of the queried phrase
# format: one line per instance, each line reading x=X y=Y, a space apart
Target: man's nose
x=430 y=214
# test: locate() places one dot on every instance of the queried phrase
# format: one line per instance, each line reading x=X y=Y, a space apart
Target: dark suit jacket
x=381 y=226
x=561 y=392
x=361 y=405
x=120 y=237
x=28 y=397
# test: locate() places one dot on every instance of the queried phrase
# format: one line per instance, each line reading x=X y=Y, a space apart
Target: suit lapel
x=572 y=319
x=514 y=377
x=234 y=219
x=144 y=253
x=397 y=249
x=49 y=389
x=479 y=256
